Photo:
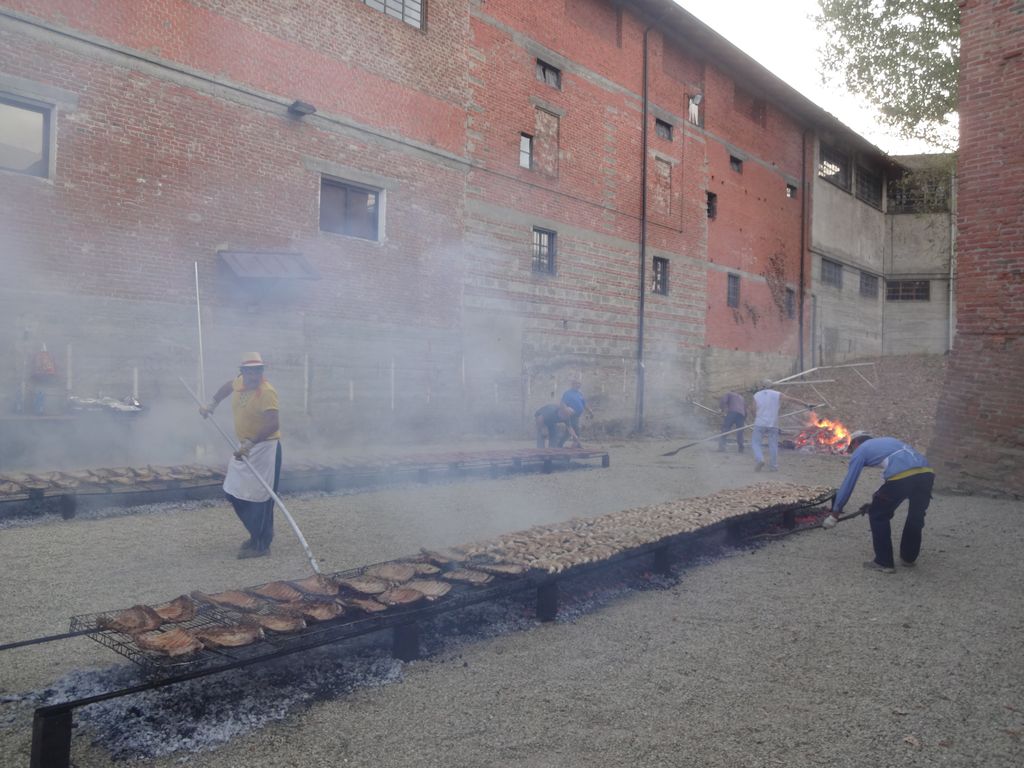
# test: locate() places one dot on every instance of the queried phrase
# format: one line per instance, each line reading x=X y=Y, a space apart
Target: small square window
x=791 y=191
x=549 y=74
x=868 y=285
x=736 y=163
x=544 y=247
x=712 y=205
x=907 y=290
x=349 y=209
x=732 y=296
x=525 y=150
x=834 y=166
x=660 y=281
x=790 y=303
x=663 y=129
x=831 y=273
x=24 y=137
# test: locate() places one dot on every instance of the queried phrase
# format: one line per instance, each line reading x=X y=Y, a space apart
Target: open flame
x=823 y=435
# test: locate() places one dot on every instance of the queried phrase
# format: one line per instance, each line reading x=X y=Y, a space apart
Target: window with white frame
x=409 y=11
x=525 y=150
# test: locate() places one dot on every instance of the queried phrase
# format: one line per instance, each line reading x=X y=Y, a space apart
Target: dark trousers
x=916 y=488
x=258 y=516
x=732 y=420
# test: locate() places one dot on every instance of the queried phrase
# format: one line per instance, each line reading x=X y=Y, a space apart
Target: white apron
x=241 y=483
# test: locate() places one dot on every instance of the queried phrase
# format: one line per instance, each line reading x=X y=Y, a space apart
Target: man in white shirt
x=766 y=423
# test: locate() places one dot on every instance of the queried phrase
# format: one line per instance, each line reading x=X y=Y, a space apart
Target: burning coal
x=823 y=435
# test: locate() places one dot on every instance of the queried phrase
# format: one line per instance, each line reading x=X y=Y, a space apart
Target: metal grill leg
x=547 y=601
x=51 y=739
x=406 y=641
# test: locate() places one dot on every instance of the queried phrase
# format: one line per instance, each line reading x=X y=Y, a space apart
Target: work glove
x=243 y=448
x=829 y=522
x=864 y=509
x=207 y=410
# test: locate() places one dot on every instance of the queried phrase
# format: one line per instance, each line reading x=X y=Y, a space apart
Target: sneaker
x=871 y=565
x=245 y=554
x=248 y=544
x=906 y=563
x=759 y=466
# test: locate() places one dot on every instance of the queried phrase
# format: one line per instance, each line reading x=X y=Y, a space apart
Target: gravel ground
x=786 y=654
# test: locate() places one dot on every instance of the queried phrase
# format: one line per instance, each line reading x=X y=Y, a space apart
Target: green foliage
x=902 y=55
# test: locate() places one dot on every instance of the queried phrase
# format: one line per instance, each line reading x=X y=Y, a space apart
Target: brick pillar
x=979 y=442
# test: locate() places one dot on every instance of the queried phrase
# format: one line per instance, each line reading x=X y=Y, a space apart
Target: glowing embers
x=823 y=435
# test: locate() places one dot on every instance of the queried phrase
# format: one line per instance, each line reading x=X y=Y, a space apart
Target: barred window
x=24 y=137
x=660 y=281
x=663 y=129
x=831 y=273
x=349 y=209
x=908 y=290
x=544 y=246
x=868 y=285
x=732 y=294
x=712 y=205
x=550 y=74
x=834 y=166
x=409 y=11
x=790 y=303
x=869 y=186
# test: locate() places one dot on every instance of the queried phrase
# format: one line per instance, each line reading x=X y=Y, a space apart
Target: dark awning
x=268 y=265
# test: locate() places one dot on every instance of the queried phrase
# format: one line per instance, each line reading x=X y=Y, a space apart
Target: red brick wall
x=980 y=432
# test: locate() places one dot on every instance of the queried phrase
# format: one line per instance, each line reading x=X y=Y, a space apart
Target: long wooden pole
x=199 y=325
x=733 y=431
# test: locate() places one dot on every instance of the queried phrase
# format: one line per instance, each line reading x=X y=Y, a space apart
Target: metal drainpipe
x=952 y=261
x=643 y=247
x=803 y=243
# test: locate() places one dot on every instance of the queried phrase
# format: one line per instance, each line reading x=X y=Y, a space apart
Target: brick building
x=980 y=426
x=424 y=217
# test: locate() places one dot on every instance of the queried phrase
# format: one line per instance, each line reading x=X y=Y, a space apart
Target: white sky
x=780 y=36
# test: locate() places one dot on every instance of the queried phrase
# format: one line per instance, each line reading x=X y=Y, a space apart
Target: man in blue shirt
x=573 y=397
x=907 y=475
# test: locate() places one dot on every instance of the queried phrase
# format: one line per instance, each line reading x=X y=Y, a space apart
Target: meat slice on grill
x=278 y=622
x=468 y=576
x=364 y=585
x=432 y=588
x=365 y=604
x=442 y=557
x=281 y=591
x=174 y=642
x=229 y=637
x=395 y=573
x=501 y=569
x=231 y=599
x=315 y=610
x=316 y=585
x=177 y=610
x=400 y=596
x=138 y=618
x=425 y=569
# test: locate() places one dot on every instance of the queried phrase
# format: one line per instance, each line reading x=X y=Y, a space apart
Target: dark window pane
x=349 y=210
x=663 y=129
x=790 y=303
x=908 y=290
x=544 y=241
x=834 y=166
x=869 y=186
x=868 y=285
x=660 y=281
x=712 y=205
x=831 y=273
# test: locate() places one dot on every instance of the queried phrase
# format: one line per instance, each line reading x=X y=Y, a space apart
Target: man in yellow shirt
x=254 y=406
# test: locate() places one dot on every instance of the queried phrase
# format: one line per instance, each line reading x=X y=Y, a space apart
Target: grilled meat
x=425 y=569
x=316 y=585
x=432 y=588
x=174 y=642
x=315 y=610
x=395 y=573
x=400 y=596
x=364 y=585
x=442 y=557
x=469 y=576
x=231 y=599
x=281 y=591
x=278 y=622
x=365 y=604
x=138 y=618
x=501 y=569
x=177 y=610
x=229 y=637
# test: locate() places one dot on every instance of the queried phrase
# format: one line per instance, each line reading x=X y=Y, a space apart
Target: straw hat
x=252 y=360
